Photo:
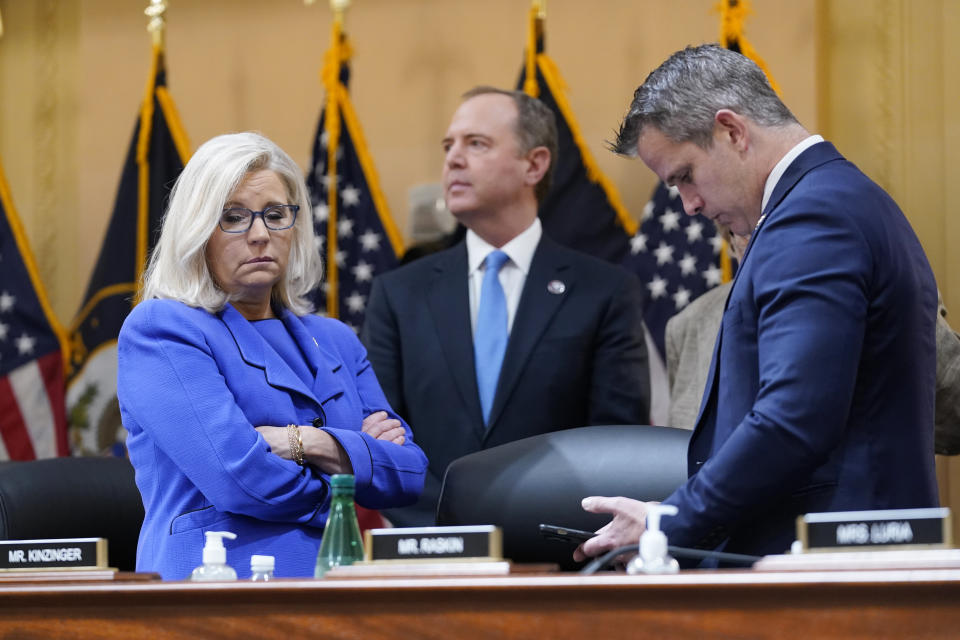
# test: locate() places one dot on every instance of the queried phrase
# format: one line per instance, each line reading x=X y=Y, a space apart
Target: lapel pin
x=556 y=287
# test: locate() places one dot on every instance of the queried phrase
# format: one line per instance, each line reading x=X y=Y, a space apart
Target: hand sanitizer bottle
x=653 y=556
x=214 y=567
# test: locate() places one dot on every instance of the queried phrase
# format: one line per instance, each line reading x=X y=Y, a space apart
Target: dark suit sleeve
x=620 y=384
x=381 y=336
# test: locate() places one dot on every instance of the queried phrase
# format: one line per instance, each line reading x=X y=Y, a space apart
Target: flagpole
x=330 y=76
x=157 y=26
x=538 y=12
x=338 y=7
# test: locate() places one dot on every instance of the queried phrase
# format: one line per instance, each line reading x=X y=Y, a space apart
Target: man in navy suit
x=574 y=347
x=820 y=395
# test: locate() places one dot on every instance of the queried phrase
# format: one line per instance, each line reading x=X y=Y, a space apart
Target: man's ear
x=731 y=127
x=539 y=159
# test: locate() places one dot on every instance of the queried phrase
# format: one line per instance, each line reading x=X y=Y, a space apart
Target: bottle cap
x=342 y=481
x=261 y=563
x=214 y=551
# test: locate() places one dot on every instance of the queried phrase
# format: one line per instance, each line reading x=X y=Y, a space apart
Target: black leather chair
x=542 y=479
x=73 y=498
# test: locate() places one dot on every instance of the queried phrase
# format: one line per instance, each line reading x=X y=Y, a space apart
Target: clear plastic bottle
x=261 y=568
x=654 y=556
x=341 y=544
x=214 y=567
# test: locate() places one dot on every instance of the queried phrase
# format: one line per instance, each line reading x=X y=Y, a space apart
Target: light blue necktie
x=490 y=341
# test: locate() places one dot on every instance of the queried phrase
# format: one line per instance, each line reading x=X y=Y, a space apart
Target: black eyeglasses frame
x=253 y=216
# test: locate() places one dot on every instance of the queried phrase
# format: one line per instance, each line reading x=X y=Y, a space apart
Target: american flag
x=32 y=413
x=678 y=257
x=350 y=214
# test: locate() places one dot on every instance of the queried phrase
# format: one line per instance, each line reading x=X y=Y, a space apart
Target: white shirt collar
x=781 y=167
x=520 y=249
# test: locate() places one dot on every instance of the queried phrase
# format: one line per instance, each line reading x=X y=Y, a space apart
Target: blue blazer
x=821 y=390
x=193 y=385
x=575 y=357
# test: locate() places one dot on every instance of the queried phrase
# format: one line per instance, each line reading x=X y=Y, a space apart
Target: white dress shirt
x=513 y=273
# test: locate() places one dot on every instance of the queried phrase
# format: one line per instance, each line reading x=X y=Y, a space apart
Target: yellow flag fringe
x=330 y=75
x=733 y=16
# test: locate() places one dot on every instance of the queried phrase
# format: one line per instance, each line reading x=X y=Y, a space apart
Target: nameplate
x=885 y=529
x=479 y=542
x=69 y=553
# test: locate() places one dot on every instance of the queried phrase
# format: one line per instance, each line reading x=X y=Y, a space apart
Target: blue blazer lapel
x=811 y=158
x=256 y=352
x=449 y=303
x=324 y=362
x=534 y=313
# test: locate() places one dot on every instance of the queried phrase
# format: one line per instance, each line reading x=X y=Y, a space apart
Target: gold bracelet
x=296 y=443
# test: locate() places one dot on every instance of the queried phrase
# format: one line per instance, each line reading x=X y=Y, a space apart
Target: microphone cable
x=678 y=552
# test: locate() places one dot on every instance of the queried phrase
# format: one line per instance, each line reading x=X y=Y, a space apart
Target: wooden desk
x=725 y=604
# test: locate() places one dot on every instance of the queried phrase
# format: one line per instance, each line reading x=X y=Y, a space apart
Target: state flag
x=583 y=209
x=157 y=153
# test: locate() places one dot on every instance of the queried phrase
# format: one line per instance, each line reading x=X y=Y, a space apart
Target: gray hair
x=536 y=127
x=178 y=267
x=681 y=97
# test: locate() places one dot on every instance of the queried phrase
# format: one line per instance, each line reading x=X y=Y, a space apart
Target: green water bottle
x=341 y=544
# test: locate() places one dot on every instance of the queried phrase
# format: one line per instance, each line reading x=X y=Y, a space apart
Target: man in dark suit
x=568 y=347
x=820 y=395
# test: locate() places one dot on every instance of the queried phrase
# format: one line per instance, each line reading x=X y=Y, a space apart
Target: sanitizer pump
x=214 y=567
x=653 y=556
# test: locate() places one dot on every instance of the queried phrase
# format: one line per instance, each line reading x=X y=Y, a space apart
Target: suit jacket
x=193 y=385
x=690 y=336
x=574 y=358
x=821 y=389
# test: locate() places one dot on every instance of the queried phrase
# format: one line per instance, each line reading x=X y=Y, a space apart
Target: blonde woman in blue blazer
x=238 y=402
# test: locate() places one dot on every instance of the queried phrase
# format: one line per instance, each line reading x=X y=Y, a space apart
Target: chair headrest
x=73 y=498
x=542 y=479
